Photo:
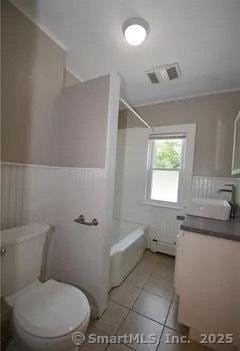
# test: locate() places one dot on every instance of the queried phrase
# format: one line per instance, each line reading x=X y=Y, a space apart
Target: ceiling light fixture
x=135 y=30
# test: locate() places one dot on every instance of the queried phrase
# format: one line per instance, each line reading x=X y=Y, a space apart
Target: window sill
x=173 y=207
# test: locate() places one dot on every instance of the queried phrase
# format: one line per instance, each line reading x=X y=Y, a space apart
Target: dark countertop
x=229 y=230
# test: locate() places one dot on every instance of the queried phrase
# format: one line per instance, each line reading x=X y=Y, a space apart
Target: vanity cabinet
x=236 y=147
x=207 y=280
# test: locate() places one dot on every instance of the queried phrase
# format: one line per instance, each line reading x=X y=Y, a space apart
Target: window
x=168 y=166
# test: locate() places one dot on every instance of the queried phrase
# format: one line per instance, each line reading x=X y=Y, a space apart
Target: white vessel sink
x=209 y=208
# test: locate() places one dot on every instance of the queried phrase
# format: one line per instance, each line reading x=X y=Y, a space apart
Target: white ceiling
x=203 y=36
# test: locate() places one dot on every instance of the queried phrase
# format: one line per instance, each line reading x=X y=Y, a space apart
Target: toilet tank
x=22 y=251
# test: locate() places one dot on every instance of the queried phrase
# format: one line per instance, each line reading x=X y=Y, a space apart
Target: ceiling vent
x=164 y=73
x=153 y=77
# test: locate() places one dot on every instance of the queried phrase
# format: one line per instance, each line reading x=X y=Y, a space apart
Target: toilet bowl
x=46 y=315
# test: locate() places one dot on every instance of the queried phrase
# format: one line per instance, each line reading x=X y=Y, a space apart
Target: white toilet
x=44 y=315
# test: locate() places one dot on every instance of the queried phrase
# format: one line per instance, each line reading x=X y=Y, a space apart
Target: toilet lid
x=51 y=310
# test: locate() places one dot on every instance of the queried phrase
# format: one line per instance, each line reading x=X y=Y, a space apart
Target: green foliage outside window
x=167 y=153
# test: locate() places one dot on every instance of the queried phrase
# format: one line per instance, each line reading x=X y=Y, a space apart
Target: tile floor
x=144 y=303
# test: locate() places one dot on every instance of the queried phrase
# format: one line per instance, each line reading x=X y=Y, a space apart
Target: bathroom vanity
x=207 y=280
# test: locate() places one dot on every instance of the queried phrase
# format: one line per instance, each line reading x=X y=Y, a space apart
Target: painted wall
x=82 y=112
x=70 y=79
x=32 y=77
x=42 y=122
x=214 y=116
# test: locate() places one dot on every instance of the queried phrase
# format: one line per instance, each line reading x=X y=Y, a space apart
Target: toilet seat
x=52 y=310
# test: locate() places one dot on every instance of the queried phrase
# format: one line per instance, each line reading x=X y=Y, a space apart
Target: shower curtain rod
x=134 y=112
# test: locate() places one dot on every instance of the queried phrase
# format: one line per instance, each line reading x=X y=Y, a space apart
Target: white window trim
x=185 y=187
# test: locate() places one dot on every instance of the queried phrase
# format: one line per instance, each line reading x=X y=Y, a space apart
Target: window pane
x=167 y=153
x=165 y=186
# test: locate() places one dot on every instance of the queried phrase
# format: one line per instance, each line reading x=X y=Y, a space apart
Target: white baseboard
x=163 y=248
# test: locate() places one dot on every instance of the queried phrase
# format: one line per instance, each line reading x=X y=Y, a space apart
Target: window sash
x=151 y=148
x=166 y=169
x=150 y=170
x=166 y=136
x=162 y=200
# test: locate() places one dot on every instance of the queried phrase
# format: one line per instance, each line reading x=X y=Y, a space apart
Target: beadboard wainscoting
x=32 y=193
x=207 y=187
x=27 y=194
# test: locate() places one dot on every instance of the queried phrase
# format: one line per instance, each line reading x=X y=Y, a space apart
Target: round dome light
x=135 y=30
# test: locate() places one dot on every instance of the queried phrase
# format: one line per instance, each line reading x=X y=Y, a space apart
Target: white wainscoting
x=27 y=194
x=31 y=193
x=207 y=187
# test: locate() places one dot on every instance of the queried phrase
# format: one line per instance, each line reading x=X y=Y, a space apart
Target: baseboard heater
x=157 y=246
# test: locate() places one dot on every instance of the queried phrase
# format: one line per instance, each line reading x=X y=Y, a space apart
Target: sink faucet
x=233 y=203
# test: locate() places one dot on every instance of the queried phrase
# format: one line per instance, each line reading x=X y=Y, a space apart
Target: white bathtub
x=128 y=245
